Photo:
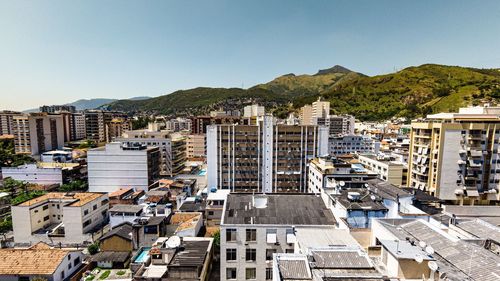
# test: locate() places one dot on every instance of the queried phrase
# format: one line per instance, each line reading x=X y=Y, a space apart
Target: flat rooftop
x=280 y=209
x=76 y=199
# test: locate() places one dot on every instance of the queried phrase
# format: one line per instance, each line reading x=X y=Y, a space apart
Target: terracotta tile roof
x=79 y=199
x=179 y=218
x=39 y=259
x=119 y=192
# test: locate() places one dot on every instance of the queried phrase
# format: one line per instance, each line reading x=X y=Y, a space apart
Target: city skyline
x=67 y=52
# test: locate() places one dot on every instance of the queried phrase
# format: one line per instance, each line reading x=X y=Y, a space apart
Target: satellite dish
x=433 y=265
x=429 y=250
x=373 y=197
x=419 y=258
x=342 y=183
x=173 y=242
x=367 y=185
x=422 y=244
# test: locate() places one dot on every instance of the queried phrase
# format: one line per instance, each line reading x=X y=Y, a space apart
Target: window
x=289 y=251
x=210 y=213
x=269 y=254
x=94 y=207
x=46 y=218
x=230 y=235
x=62 y=274
x=230 y=254
x=251 y=235
x=269 y=273
x=251 y=254
x=76 y=261
x=24 y=279
x=86 y=212
x=231 y=273
x=69 y=266
x=87 y=223
x=45 y=207
x=250 y=273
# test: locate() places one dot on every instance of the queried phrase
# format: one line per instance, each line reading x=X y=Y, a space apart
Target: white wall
x=32 y=174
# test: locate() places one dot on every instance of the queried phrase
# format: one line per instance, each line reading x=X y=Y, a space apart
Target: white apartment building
x=32 y=173
x=265 y=157
x=391 y=171
x=120 y=165
x=172 y=148
x=254 y=227
x=36 y=133
x=315 y=114
x=58 y=217
x=253 y=110
x=6 y=121
x=352 y=144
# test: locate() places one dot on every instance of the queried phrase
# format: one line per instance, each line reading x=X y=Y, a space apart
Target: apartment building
x=6 y=121
x=196 y=146
x=96 y=122
x=57 y=108
x=254 y=110
x=57 y=217
x=352 y=144
x=116 y=127
x=200 y=123
x=254 y=227
x=32 y=173
x=388 y=170
x=265 y=158
x=122 y=164
x=315 y=114
x=172 y=148
x=341 y=125
x=36 y=133
x=178 y=124
x=454 y=156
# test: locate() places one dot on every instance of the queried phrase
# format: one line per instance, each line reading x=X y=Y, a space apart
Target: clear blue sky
x=53 y=52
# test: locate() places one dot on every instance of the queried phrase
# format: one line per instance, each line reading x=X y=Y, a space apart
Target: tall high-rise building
x=265 y=158
x=341 y=125
x=315 y=114
x=120 y=165
x=455 y=156
x=6 y=118
x=172 y=148
x=253 y=110
x=36 y=133
x=58 y=108
x=96 y=122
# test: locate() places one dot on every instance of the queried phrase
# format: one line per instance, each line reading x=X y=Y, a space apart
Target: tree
x=8 y=157
x=76 y=185
x=216 y=237
x=93 y=248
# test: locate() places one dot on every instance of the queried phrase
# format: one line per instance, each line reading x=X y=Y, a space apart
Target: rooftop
x=480 y=229
x=276 y=209
x=387 y=190
x=124 y=208
x=37 y=260
x=123 y=230
x=77 y=199
x=111 y=256
x=120 y=192
x=364 y=200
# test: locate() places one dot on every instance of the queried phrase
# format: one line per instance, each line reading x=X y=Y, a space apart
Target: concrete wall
x=32 y=174
x=116 y=243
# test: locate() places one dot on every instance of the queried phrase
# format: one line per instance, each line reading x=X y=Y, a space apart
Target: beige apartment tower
x=454 y=156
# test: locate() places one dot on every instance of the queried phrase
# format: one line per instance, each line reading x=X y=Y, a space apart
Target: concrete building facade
x=264 y=158
x=36 y=133
x=121 y=164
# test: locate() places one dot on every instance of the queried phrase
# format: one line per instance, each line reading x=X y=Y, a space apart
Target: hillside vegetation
x=411 y=92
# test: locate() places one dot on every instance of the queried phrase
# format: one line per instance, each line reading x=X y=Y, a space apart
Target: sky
x=55 y=52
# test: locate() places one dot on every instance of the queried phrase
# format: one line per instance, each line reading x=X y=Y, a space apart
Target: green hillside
x=411 y=92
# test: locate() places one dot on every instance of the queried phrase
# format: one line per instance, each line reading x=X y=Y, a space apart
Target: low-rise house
x=119 y=239
x=58 y=217
x=110 y=259
x=124 y=213
x=175 y=258
x=125 y=196
x=40 y=260
x=387 y=169
x=188 y=224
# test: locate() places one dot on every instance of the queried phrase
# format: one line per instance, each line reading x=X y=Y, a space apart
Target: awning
x=472 y=193
x=271 y=238
x=290 y=238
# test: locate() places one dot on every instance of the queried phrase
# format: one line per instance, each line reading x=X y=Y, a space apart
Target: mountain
x=202 y=100
x=84 y=104
x=411 y=92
